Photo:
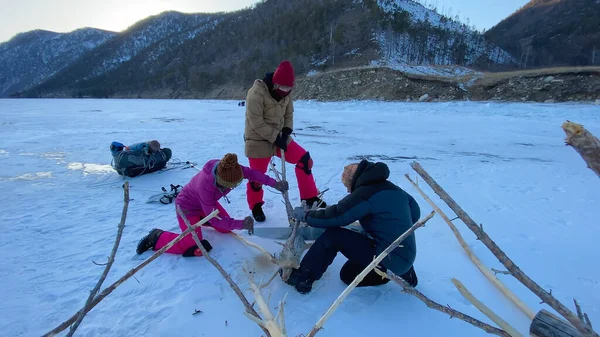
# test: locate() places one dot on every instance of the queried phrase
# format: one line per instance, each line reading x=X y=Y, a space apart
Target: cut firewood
x=514 y=270
x=319 y=325
x=585 y=143
x=485 y=309
x=484 y=270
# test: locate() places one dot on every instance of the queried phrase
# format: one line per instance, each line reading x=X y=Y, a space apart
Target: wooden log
x=545 y=324
x=585 y=143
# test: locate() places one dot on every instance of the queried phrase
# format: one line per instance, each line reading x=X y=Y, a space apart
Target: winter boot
x=411 y=277
x=311 y=201
x=149 y=241
x=257 y=213
x=195 y=251
x=299 y=280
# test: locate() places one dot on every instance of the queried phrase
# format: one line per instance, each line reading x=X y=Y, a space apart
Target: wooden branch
x=582 y=315
x=268 y=322
x=503 y=258
x=291 y=253
x=585 y=143
x=315 y=205
x=484 y=270
x=280 y=315
x=260 y=322
x=255 y=246
x=319 y=325
x=445 y=309
x=88 y=303
x=64 y=325
x=503 y=272
x=578 y=308
x=286 y=198
x=587 y=319
x=216 y=264
x=264 y=285
x=485 y=310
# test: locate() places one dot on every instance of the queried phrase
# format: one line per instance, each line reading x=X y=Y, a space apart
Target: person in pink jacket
x=200 y=197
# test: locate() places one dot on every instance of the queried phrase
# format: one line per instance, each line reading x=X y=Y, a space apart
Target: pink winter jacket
x=201 y=194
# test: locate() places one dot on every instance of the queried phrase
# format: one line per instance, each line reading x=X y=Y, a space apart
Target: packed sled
x=140 y=158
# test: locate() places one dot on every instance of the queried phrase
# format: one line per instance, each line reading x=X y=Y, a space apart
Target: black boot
x=311 y=201
x=194 y=251
x=257 y=213
x=411 y=277
x=300 y=280
x=149 y=241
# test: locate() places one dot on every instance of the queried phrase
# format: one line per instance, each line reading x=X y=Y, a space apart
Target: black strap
x=168 y=198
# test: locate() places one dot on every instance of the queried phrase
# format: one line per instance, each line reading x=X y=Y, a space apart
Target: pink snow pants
x=188 y=241
x=293 y=155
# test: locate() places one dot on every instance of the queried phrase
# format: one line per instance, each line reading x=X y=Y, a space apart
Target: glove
x=300 y=213
x=249 y=224
x=281 y=186
x=281 y=140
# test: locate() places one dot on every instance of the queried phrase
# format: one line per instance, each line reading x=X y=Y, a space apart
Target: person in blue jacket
x=384 y=211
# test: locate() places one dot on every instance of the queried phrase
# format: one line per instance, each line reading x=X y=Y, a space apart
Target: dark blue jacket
x=383 y=209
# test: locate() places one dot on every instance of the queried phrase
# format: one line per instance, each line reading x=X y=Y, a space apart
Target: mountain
x=232 y=49
x=552 y=33
x=417 y=35
x=163 y=32
x=29 y=58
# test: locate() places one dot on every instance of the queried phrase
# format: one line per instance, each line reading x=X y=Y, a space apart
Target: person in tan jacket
x=269 y=124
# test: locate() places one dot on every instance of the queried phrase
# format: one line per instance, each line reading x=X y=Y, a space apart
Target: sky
x=117 y=15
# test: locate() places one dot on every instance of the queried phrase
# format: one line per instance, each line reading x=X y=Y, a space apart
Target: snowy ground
x=506 y=164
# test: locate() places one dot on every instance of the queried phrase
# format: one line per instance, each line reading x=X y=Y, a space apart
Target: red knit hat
x=284 y=74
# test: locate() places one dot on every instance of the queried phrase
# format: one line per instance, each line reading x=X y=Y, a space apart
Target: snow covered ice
x=505 y=163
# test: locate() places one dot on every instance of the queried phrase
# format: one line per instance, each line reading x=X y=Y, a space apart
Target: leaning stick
x=484 y=270
x=445 y=309
x=319 y=325
x=288 y=205
x=88 y=304
x=515 y=271
x=124 y=278
x=232 y=284
x=485 y=310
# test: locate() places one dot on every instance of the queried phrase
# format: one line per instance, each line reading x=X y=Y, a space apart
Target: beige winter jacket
x=265 y=118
